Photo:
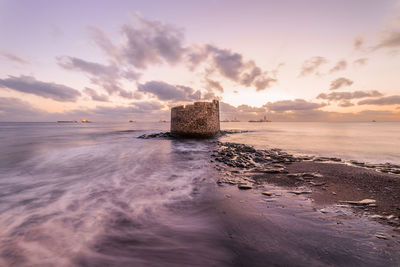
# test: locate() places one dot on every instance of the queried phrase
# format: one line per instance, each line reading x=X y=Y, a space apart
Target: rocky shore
x=274 y=208
x=371 y=189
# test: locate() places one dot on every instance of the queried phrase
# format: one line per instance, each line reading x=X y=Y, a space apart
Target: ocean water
x=375 y=142
x=96 y=195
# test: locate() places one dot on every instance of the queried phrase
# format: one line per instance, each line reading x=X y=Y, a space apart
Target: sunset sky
x=120 y=60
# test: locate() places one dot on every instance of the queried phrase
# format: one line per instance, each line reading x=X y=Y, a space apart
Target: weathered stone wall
x=198 y=120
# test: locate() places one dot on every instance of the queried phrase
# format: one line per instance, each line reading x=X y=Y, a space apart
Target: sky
x=133 y=60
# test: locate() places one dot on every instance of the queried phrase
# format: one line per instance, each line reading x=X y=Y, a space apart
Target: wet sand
x=282 y=210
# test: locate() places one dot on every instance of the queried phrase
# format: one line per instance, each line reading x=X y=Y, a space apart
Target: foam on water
x=106 y=201
x=95 y=195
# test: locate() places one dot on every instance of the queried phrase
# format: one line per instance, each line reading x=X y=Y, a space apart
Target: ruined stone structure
x=198 y=120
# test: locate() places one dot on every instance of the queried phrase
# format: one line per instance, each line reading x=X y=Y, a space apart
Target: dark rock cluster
x=270 y=161
x=169 y=135
x=161 y=135
x=244 y=163
x=246 y=157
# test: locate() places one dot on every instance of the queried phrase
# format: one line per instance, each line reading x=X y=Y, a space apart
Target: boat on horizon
x=67 y=121
x=85 y=121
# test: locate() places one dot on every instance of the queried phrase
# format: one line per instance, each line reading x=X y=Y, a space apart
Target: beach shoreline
x=303 y=212
x=328 y=181
x=273 y=208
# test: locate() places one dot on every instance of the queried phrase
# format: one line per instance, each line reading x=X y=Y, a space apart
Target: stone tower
x=198 y=120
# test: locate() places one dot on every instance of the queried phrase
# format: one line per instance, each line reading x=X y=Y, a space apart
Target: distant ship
x=262 y=120
x=132 y=121
x=162 y=121
x=67 y=121
x=373 y=120
x=234 y=120
x=85 y=121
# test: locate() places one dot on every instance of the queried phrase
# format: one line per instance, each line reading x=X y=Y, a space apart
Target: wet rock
x=317 y=184
x=312 y=175
x=321 y=159
x=361 y=202
x=245 y=186
x=266 y=193
x=300 y=192
x=323 y=211
x=162 y=135
x=269 y=199
x=354 y=162
x=381 y=236
x=376 y=216
x=275 y=170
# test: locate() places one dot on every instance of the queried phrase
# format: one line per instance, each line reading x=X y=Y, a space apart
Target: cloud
x=358 y=42
x=214 y=85
x=243 y=112
x=345 y=104
x=228 y=63
x=360 y=62
x=340 y=65
x=96 y=69
x=105 y=76
x=140 y=111
x=29 y=85
x=388 y=100
x=14 y=109
x=231 y=65
x=264 y=83
x=249 y=109
x=228 y=111
x=312 y=65
x=149 y=106
x=147 y=43
x=14 y=58
x=337 y=96
x=290 y=105
x=165 y=91
x=101 y=39
x=389 y=39
x=340 y=82
x=94 y=95
x=151 y=42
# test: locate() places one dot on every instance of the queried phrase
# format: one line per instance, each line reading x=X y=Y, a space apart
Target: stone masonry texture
x=198 y=120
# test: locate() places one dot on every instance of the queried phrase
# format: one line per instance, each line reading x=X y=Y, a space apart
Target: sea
x=94 y=194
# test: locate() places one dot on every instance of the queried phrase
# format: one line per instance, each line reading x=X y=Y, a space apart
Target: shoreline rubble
x=329 y=181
